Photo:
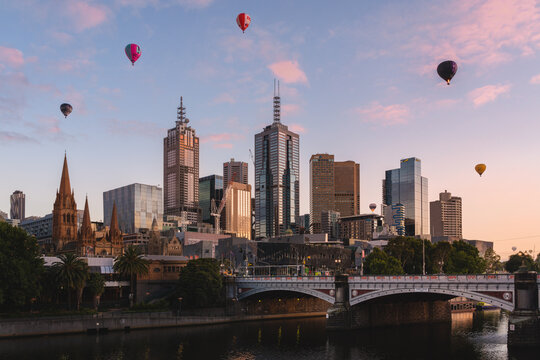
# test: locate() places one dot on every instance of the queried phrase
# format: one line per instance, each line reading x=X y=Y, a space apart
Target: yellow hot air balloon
x=480 y=168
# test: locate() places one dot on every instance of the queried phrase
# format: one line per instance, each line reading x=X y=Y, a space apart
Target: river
x=482 y=336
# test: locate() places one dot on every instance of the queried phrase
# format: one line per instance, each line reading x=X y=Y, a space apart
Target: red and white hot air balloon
x=243 y=20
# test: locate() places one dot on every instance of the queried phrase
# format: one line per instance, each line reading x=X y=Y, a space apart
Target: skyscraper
x=277 y=177
x=236 y=171
x=407 y=186
x=17 y=201
x=322 y=188
x=137 y=207
x=347 y=188
x=210 y=187
x=181 y=169
x=446 y=217
x=238 y=210
x=334 y=185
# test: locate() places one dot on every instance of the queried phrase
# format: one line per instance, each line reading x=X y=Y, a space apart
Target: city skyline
x=382 y=89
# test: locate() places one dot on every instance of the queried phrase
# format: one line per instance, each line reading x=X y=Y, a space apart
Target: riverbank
x=105 y=322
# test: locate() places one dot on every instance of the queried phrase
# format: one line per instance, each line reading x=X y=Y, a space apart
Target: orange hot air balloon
x=480 y=168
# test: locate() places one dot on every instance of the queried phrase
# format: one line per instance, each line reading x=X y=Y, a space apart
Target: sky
x=358 y=80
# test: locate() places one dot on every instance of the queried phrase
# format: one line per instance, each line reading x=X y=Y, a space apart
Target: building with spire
x=64 y=232
x=181 y=170
x=86 y=237
x=111 y=242
x=277 y=176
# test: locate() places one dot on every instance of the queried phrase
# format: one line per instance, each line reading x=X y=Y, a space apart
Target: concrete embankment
x=102 y=323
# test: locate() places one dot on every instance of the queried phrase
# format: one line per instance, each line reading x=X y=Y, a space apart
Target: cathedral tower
x=64 y=214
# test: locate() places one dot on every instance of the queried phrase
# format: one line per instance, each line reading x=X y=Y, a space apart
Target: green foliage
x=380 y=263
x=20 y=267
x=493 y=261
x=200 y=284
x=439 y=254
x=71 y=273
x=408 y=250
x=132 y=264
x=96 y=284
x=515 y=261
x=464 y=259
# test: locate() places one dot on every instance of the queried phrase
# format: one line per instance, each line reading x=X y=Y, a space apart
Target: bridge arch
x=468 y=294
x=318 y=294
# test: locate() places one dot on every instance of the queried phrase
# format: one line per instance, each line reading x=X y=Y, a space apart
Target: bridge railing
x=434 y=278
x=286 y=278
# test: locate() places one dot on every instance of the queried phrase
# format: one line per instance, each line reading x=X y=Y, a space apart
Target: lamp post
x=423 y=257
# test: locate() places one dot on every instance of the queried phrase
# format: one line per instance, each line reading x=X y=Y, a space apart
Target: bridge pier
x=338 y=316
x=524 y=321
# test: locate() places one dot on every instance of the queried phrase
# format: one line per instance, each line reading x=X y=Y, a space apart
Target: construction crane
x=216 y=212
x=252 y=157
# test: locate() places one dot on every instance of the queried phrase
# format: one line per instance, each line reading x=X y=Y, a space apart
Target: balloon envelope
x=447 y=69
x=66 y=109
x=243 y=20
x=372 y=206
x=133 y=52
x=480 y=168
x=514 y=248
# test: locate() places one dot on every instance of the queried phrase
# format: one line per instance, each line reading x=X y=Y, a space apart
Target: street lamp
x=179 y=306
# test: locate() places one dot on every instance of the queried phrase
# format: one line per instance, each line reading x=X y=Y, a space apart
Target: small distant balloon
x=243 y=20
x=514 y=248
x=480 y=168
x=446 y=70
x=66 y=109
x=133 y=52
x=372 y=207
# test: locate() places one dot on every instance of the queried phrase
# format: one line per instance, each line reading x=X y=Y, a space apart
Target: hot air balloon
x=372 y=206
x=480 y=168
x=447 y=70
x=133 y=52
x=514 y=248
x=243 y=20
x=66 y=109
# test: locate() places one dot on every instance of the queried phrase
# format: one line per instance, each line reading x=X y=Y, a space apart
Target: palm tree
x=96 y=285
x=71 y=272
x=132 y=264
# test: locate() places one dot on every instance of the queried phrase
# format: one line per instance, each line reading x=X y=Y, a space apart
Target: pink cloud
x=135 y=127
x=221 y=137
x=61 y=37
x=384 y=115
x=76 y=99
x=290 y=109
x=85 y=15
x=288 y=71
x=535 y=79
x=224 y=98
x=13 y=137
x=487 y=93
x=68 y=65
x=223 y=146
x=11 y=57
x=191 y=4
x=297 y=128
x=487 y=32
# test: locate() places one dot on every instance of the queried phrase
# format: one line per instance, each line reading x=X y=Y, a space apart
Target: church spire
x=65 y=186
x=114 y=220
x=86 y=224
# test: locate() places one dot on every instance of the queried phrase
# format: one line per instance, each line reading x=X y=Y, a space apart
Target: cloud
x=297 y=128
x=76 y=99
x=221 y=137
x=487 y=93
x=11 y=57
x=13 y=137
x=61 y=37
x=223 y=146
x=290 y=109
x=224 y=98
x=85 y=15
x=68 y=65
x=535 y=79
x=190 y=4
x=134 y=127
x=288 y=71
x=384 y=115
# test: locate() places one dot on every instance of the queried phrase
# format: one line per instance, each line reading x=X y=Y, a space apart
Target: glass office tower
x=137 y=206
x=277 y=176
x=407 y=186
x=210 y=187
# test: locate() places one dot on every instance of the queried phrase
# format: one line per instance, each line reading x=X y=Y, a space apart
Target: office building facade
x=236 y=171
x=181 y=169
x=277 y=177
x=446 y=216
x=330 y=223
x=394 y=216
x=408 y=187
x=137 y=206
x=238 y=210
x=322 y=189
x=347 y=188
x=17 y=201
x=210 y=188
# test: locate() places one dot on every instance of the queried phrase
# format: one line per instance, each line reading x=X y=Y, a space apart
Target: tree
x=132 y=264
x=464 y=259
x=201 y=284
x=516 y=260
x=21 y=267
x=439 y=255
x=71 y=272
x=493 y=261
x=408 y=250
x=96 y=285
x=379 y=262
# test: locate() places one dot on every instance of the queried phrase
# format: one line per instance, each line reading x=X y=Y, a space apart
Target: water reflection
x=482 y=336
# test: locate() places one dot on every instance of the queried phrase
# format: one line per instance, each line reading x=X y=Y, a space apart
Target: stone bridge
x=357 y=301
